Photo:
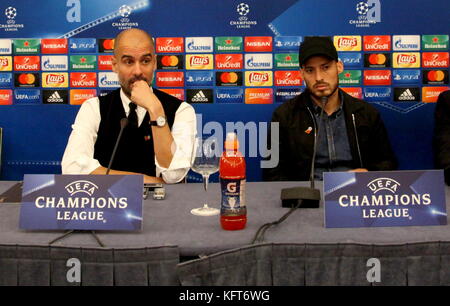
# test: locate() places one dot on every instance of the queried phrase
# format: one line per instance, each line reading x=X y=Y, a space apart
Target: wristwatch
x=160 y=121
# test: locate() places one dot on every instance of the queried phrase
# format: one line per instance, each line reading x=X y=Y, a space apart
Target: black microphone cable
x=259 y=236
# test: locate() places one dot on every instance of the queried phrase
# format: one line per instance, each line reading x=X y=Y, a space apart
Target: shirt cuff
x=177 y=169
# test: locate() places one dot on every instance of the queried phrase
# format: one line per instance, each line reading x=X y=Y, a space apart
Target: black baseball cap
x=316 y=45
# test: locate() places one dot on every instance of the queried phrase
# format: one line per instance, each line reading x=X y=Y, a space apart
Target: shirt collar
x=317 y=108
x=125 y=103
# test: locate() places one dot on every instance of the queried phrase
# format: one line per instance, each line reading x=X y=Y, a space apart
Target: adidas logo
x=407 y=96
x=55 y=98
x=199 y=97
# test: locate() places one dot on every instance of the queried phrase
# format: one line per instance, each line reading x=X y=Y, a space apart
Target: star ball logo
x=11 y=14
x=243 y=22
x=124 y=23
x=368 y=13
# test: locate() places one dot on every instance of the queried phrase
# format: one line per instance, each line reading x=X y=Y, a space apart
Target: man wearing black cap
x=350 y=136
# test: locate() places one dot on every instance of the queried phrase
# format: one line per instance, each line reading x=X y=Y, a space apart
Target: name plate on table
x=384 y=198
x=81 y=202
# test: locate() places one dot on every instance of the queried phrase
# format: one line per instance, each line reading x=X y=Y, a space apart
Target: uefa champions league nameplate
x=384 y=198
x=81 y=202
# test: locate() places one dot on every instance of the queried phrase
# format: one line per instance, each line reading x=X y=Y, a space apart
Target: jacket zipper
x=357 y=141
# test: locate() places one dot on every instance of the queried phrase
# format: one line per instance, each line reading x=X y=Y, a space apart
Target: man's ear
x=114 y=64
x=340 y=66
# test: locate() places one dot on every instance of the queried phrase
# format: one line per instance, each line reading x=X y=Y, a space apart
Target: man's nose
x=319 y=75
x=137 y=70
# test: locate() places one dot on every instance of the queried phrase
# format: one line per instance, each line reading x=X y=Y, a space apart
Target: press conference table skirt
x=169 y=222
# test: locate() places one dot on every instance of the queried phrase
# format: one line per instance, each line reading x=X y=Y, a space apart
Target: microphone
x=123 y=124
x=305 y=197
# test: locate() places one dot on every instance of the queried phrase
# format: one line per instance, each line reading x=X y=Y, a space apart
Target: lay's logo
x=258 y=78
x=406 y=60
x=5 y=63
x=199 y=62
x=347 y=43
x=55 y=80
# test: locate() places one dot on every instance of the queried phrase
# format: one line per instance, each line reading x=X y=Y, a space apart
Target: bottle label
x=233 y=196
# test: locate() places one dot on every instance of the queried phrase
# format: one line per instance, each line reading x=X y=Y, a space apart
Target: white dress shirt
x=79 y=154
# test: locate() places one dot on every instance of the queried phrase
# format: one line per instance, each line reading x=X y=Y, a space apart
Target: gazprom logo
x=108 y=79
x=5 y=46
x=54 y=63
x=351 y=59
x=258 y=61
x=406 y=42
x=406 y=76
x=81 y=186
x=199 y=44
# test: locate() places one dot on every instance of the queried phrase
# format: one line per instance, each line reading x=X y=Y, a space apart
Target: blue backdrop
x=35 y=133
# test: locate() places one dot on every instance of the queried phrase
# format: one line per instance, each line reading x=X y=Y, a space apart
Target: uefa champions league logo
x=125 y=11
x=369 y=13
x=243 y=9
x=11 y=12
x=124 y=23
x=243 y=22
x=362 y=8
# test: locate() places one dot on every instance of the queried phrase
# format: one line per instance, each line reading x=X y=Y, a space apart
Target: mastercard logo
x=436 y=76
x=108 y=44
x=27 y=79
x=229 y=77
x=170 y=61
x=377 y=59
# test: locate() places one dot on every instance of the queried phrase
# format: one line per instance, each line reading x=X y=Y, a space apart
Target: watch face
x=161 y=121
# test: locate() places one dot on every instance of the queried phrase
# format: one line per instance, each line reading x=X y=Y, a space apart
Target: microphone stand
x=305 y=197
x=123 y=124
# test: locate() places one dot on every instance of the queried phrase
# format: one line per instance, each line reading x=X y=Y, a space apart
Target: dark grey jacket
x=368 y=139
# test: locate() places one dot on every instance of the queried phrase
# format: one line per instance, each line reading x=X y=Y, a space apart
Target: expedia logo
x=81 y=186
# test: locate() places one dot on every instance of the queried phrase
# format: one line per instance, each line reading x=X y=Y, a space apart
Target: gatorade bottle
x=233 y=212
